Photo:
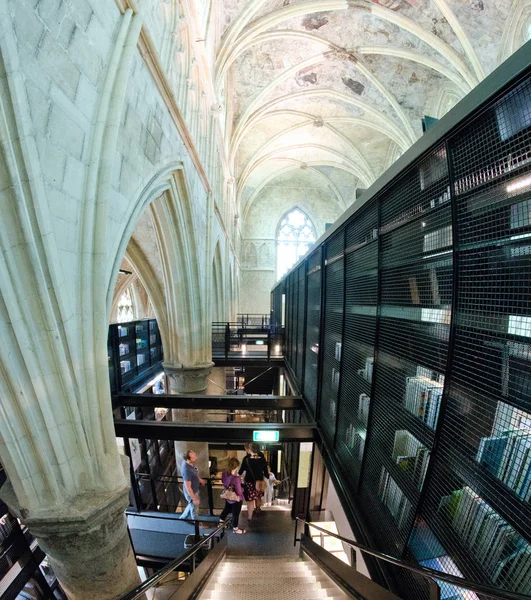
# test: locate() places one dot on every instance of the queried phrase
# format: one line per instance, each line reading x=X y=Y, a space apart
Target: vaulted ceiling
x=338 y=88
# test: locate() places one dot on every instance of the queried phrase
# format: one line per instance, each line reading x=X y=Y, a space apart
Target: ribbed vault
x=344 y=84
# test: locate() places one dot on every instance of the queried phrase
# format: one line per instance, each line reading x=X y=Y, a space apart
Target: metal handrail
x=426 y=572
x=169 y=568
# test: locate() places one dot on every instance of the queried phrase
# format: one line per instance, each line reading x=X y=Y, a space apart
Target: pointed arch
x=174 y=228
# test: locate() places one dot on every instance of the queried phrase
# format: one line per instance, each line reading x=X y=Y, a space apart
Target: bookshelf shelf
x=134 y=348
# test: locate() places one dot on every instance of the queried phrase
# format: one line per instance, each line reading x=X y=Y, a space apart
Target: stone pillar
x=86 y=541
x=190 y=380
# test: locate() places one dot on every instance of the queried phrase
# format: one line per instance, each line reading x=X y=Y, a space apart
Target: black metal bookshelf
x=416 y=354
x=135 y=351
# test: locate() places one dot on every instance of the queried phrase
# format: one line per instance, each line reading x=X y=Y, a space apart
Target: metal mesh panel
x=300 y=320
x=416 y=276
x=313 y=326
x=478 y=499
x=332 y=336
x=361 y=298
x=446 y=472
x=294 y=333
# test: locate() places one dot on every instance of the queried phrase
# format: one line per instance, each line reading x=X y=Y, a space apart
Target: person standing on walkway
x=270 y=485
x=231 y=479
x=255 y=468
x=191 y=483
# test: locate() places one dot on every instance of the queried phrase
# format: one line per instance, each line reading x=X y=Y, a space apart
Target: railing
x=250 y=321
x=164 y=491
x=282 y=486
x=160 y=575
x=243 y=339
x=431 y=575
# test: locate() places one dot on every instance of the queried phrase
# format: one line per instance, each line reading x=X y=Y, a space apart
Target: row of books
x=367 y=371
x=355 y=440
x=508 y=457
x=411 y=456
x=125 y=366
x=395 y=500
x=495 y=545
x=493 y=172
x=423 y=399
x=364 y=404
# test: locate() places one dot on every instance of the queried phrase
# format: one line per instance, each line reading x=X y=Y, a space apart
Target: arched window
x=295 y=235
x=125 y=311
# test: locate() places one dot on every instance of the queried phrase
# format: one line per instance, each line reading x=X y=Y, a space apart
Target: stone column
x=190 y=380
x=86 y=541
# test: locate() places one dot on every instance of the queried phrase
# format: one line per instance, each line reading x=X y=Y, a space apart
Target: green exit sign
x=265 y=436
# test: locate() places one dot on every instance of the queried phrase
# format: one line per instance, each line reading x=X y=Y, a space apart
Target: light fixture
x=124 y=272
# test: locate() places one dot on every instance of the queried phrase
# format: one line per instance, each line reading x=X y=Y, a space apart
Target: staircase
x=264 y=578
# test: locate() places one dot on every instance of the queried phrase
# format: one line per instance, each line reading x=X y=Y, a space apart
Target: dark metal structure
x=408 y=329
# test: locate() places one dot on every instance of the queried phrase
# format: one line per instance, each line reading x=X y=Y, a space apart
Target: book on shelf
x=359 y=444
x=490 y=452
x=394 y=498
x=495 y=544
x=364 y=404
x=411 y=456
x=508 y=457
x=440 y=238
x=123 y=349
x=125 y=365
x=423 y=399
x=335 y=379
x=366 y=372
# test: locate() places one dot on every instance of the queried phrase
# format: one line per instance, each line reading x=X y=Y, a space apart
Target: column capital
x=187 y=379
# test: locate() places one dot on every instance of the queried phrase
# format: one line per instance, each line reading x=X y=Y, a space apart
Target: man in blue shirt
x=191 y=483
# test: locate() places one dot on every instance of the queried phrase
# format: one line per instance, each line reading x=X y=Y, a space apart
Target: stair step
x=226 y=578
x=248 y=592
x=279 y=558
x=286 y=582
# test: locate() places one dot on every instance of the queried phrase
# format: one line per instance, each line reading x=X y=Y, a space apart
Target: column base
x=87 y=543
x=187 y=380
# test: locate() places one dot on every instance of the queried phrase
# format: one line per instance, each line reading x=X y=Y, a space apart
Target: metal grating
x=313 y=326
x=436 y=291
x=333 y=335
x=300 y=321
x=483 y=468
x=361 y=299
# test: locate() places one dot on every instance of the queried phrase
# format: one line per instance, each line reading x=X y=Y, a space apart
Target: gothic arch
x=180 y=302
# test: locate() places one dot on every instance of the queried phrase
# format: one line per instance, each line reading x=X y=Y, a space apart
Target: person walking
x=269 y=493
x=191 y=483
x=255 y=468
x=231 y=479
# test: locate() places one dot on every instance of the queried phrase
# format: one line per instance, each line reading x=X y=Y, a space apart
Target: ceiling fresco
x=341 y=86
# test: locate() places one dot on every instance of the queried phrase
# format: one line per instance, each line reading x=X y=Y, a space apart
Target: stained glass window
x=295 y=235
